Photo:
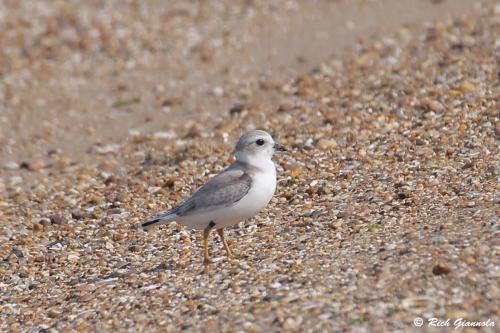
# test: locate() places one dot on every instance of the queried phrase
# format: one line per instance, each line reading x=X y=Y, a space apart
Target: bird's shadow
x=119 y=273
x=160 y=267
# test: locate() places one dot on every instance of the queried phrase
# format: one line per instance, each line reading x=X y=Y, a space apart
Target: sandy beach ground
x=387 y=204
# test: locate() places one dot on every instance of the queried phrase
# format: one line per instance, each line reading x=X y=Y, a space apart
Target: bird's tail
x=162 y=219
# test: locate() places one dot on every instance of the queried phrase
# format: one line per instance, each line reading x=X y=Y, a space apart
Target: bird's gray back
x=223 y=190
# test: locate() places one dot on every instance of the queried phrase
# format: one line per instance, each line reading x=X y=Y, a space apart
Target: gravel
x=386 y=208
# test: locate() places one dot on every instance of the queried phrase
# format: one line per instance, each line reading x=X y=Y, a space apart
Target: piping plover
x=237 y=193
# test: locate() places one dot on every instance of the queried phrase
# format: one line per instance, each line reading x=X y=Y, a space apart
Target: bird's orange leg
x=223 y=240
x=206 y=235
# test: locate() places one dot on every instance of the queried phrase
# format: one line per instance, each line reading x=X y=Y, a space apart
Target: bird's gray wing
x=223 y=190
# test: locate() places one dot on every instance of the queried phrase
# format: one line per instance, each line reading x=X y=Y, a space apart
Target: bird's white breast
x=260 y=193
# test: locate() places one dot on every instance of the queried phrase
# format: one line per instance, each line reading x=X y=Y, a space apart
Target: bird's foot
x=235 y=256
x=206 y=266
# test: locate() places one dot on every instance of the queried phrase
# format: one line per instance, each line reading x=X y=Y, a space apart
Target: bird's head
x=256 y=145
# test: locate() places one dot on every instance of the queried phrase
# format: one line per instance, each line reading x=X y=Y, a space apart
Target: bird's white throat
x=260 y=161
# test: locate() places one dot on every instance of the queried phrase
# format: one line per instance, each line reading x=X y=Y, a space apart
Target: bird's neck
x=262 y=163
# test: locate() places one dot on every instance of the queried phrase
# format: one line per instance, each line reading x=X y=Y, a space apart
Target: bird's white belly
x=261 y=192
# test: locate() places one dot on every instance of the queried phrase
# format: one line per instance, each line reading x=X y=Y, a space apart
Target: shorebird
x=236 y=194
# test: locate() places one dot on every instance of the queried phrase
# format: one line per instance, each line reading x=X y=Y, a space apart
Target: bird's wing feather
x=223 y=190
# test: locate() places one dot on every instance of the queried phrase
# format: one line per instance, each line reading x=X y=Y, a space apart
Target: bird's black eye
x=260 y=142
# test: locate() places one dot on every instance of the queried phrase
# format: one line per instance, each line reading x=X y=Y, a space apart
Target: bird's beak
x=279 y=147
